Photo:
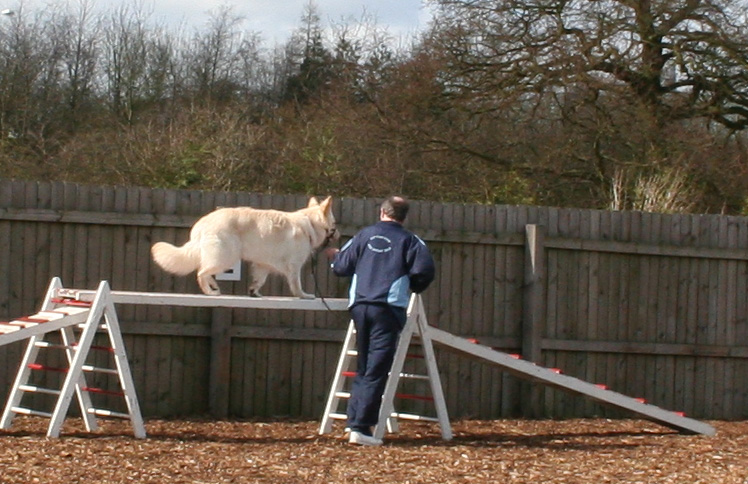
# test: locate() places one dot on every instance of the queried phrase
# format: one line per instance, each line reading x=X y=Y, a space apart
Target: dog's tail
x=177 y=260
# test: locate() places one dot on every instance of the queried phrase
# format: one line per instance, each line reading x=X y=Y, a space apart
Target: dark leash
x=315 y=256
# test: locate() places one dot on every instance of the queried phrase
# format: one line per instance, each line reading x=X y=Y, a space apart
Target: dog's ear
x=313 y=202
x=326 y=204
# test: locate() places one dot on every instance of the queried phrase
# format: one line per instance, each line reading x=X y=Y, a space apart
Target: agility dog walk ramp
x=78 y=323
x=417 y=325
x=204 y=301
x=552 y=377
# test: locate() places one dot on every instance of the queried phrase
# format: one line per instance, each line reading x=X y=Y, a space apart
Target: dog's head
x=323 y=218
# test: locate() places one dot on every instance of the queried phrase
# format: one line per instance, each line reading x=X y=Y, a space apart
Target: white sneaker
x=358 y=438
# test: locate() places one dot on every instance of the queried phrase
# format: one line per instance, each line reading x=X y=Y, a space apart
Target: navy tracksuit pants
x=378 y=327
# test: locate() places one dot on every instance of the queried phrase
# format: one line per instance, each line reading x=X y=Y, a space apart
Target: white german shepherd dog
x=272 y=240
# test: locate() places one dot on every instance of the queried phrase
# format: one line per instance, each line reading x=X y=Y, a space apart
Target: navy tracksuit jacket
x=386 y=262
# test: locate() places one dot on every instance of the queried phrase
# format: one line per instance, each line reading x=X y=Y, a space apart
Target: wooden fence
x=652 y=305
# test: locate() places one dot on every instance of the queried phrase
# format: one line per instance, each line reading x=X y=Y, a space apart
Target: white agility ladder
x=68 y=315
x=415 y=326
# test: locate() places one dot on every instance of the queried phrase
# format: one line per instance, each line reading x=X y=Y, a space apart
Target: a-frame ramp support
x=414 y=327
x=65 y=315
x=538 y=374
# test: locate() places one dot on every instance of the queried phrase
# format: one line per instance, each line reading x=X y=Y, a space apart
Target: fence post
x=533 y=311
x=220 y=362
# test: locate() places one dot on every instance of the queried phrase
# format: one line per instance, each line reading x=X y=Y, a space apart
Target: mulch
x=285 y=451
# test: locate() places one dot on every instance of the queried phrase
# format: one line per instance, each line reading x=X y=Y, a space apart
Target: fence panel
x=651 y=305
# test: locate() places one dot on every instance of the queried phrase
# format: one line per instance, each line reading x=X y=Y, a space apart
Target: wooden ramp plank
x=531 y=371
x=202 y=300
x=11 y=333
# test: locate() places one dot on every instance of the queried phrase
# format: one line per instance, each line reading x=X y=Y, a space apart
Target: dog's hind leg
x=217 y=255
x=207 y=281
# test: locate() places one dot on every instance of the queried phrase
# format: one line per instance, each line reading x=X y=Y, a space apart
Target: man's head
x=394 y=208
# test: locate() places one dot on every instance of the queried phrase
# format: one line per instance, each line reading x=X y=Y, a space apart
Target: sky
x=274 y=20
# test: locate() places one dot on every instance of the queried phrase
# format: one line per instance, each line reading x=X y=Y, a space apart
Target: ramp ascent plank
x=531 y=371
x=29 y=330
x=202 y=300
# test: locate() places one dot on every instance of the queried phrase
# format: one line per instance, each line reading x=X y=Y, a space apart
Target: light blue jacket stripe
x=399 y=292
x=352 y=291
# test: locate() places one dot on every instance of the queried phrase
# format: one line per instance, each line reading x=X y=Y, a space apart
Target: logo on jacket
x=379 y=244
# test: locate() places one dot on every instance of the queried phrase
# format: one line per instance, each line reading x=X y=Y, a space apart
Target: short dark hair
x=396 y=208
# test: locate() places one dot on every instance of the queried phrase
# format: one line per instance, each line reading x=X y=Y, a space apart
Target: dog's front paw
x=305 y=295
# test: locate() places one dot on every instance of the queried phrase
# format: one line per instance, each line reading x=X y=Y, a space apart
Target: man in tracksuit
x=386 y=262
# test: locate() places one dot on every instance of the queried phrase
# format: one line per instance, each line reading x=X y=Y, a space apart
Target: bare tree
x=587 y=88
x=214 y=56
x=78 y=35
x=22 y=66
x=681 y=59
x=126 y=58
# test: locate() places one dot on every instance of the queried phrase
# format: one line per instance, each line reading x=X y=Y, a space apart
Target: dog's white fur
x=272 y=240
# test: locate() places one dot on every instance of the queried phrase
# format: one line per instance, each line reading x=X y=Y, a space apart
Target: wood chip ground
x=501 y=451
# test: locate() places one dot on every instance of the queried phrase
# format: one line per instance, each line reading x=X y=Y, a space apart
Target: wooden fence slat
x=655 y=311
x=690 y=332
x=721 y=323
x=741 y=330
x=489 y=380
x=667 y=384
x=730 y=319
x=680 y=318
x=8 y=359
x=551 y=306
